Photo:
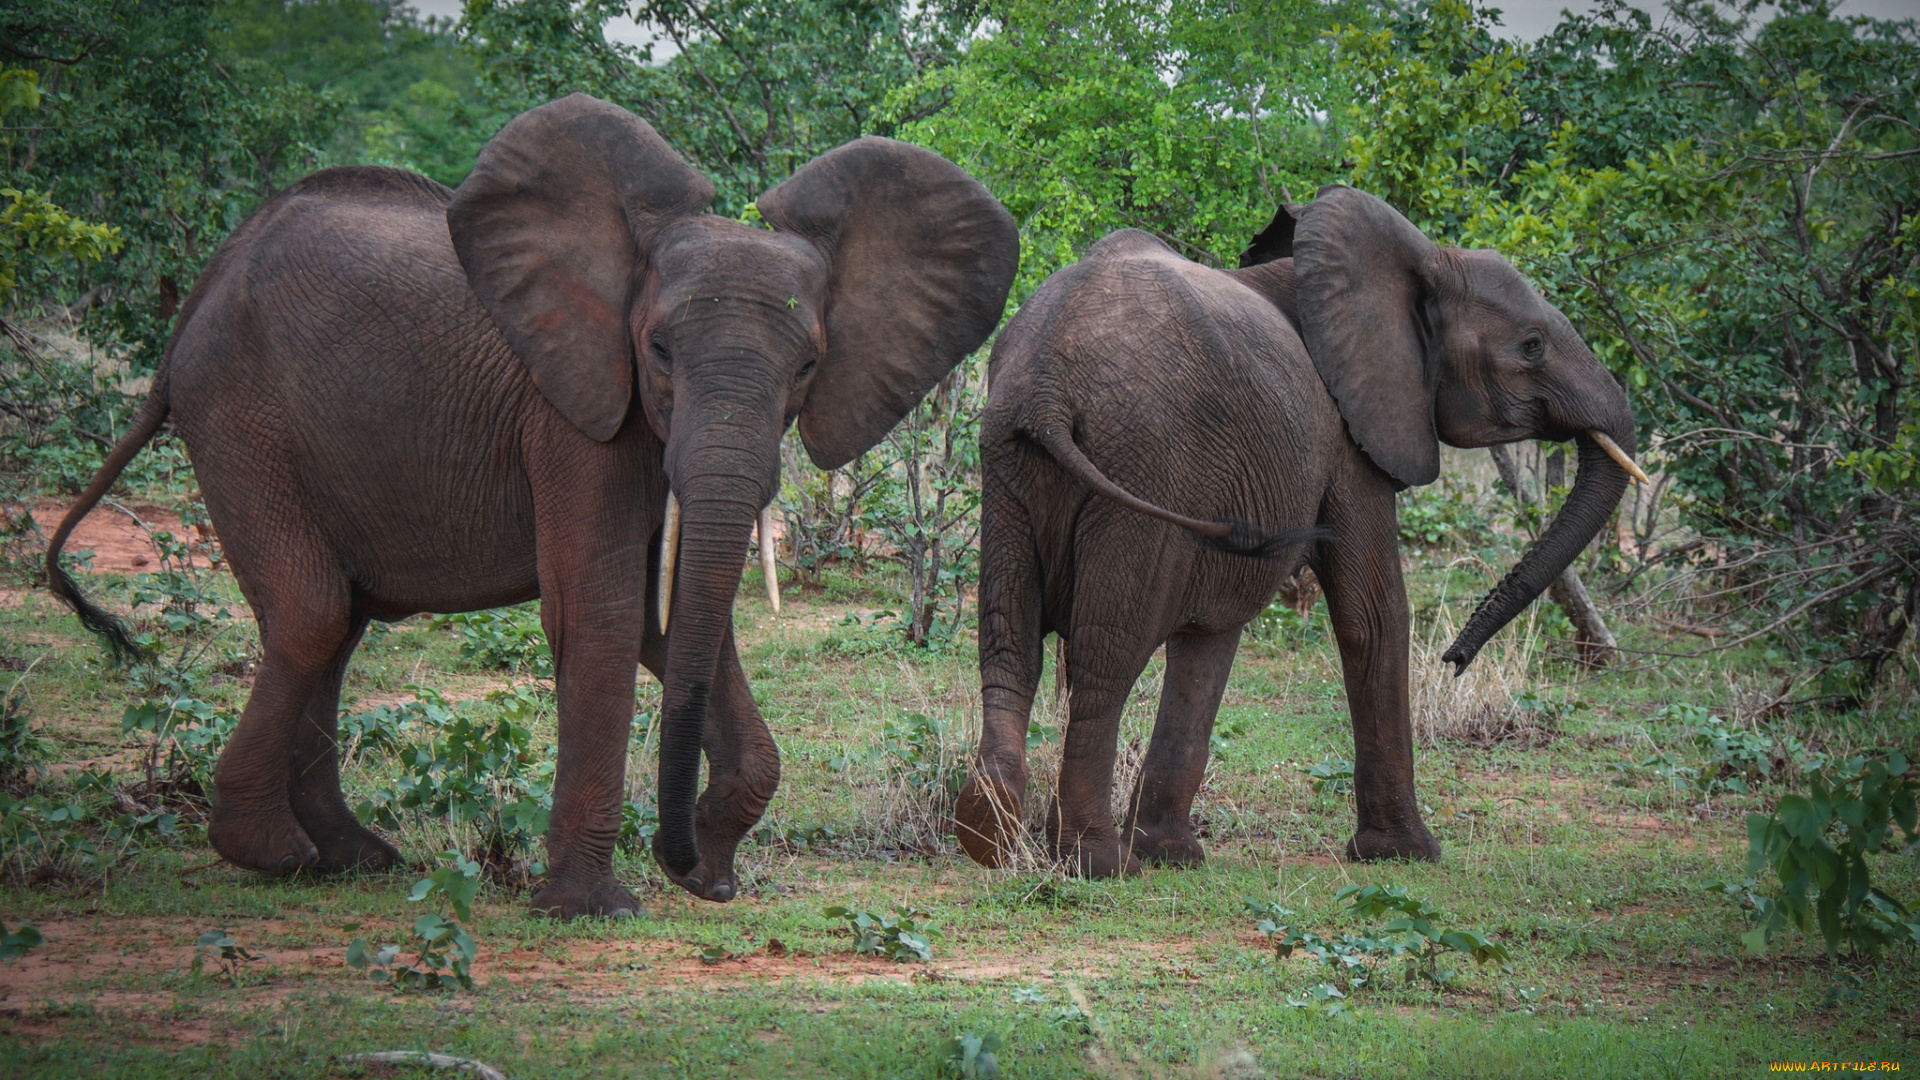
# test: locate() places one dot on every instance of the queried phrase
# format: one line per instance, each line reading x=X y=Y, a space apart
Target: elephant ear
x=553 y=227
x=920 y=259
x=1363 y=273
x=1276 y=240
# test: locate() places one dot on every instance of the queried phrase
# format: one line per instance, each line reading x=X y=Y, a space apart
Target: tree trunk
x=1595 y=641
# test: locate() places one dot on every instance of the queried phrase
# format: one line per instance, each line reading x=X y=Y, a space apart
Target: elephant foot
x=269 y=841
x=1096 y=852
x=1374 y=845
x=706 y=880
x=1168 y=845
x=606 y=898
x=344 y=844
x=986 y=818
x=362 y=849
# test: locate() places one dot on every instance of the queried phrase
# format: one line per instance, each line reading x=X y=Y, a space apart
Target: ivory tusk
x=669 y=558
x=1620 y=456
x=766 y=558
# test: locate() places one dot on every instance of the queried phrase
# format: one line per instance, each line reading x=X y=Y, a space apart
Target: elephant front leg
x=1367 y=604
x=743 y=772
x=595 y=689
x=1159 y=822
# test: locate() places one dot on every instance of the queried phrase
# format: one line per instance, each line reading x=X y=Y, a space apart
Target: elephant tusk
x=1620 y=457
x=669 y=558
x=766 y=557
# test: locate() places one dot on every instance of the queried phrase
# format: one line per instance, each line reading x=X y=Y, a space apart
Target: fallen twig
x=437 y=1061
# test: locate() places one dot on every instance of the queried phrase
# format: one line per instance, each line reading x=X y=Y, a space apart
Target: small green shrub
x=903 y=936
x=1411 y=936
x=1817 y=846
x=15 y=943
x=224 y=950
x=505 y=638
x=22 y=749
x=385 y=729
x=970 y=1056
x=1446 y=514
x=46 y=838
x=638 y=823
x=477 y=771
x=917 y=750
x=1333 y=776
x=443 y=951
x=185 y=737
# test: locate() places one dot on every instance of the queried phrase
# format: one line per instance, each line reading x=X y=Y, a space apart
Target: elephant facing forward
x=1138 y=398
x=400 y=398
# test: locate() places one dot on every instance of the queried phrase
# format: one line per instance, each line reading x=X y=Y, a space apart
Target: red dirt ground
x=118 y=542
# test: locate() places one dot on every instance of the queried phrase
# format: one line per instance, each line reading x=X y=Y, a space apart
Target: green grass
x=1589 y=876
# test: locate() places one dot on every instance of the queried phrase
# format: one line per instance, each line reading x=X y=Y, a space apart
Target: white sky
x=1523 y=19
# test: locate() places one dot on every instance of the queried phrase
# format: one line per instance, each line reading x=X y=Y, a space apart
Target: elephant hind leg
x=1159 y=813
x=987 y=814
x=304 y=625
x=1107 y=660
x=314 y=778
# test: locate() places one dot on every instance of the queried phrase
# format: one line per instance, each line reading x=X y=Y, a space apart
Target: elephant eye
x=658 y=346
x=806 y=369
x=1533 y=348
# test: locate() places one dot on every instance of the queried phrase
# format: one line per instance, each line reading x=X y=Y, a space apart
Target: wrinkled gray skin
x=1138 y=396
x=401 y=399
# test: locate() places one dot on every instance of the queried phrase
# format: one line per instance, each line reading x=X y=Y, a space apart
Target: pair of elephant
x=566 y=380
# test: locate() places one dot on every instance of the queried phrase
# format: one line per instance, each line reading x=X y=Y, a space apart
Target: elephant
x=563 y=380
x=1139 y=399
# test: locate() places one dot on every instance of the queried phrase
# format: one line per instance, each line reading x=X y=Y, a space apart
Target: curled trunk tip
x=1596 y=491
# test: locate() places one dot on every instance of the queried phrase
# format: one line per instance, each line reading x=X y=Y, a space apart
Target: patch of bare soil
x=120 y=536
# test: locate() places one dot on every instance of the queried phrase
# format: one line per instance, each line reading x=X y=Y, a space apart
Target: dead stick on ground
x=438 y=1061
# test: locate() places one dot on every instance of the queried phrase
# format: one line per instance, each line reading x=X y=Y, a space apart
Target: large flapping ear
x=553 y=226
x=1276 y=240
x=1363 y=272
x=920 y=259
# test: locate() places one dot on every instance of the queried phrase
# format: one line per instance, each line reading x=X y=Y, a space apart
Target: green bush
x=1817 y=846
x=476 y=770
x=506 y=638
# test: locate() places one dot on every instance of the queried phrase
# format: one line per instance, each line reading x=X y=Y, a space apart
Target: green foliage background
x=1725 y=205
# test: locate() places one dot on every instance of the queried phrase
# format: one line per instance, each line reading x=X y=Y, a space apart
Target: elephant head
x=584 y=236
x=1421 y=344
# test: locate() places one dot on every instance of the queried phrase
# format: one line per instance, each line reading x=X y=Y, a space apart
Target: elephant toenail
x=624 y=913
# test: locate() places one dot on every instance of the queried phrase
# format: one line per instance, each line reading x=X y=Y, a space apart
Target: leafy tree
x=145 y=125
x=1190 y=121
x=1725 y=212
x=756 y=89
x=409 y=87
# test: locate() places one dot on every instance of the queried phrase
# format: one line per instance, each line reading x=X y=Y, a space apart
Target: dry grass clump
x=1479 y=707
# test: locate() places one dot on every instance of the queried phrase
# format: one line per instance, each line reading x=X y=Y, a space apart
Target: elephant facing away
x=400 y=398
x=1138 y=398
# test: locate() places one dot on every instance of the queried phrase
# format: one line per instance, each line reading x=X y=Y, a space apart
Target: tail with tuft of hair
x=95 y=618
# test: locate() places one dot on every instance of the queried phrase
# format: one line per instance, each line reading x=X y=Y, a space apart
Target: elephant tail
x=95 y=618
x=1231 y=535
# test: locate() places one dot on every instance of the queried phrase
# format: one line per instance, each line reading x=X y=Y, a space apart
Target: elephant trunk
x=1596 y=491
x=714 y=532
